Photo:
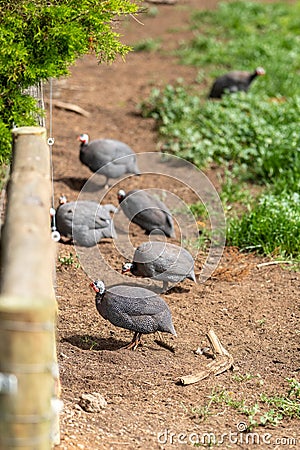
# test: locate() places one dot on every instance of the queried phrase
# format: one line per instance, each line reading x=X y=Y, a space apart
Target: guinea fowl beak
x=94 y=287
x=81 y=139
x=260 y=71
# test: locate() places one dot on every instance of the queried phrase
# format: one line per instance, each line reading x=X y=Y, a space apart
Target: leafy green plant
x=285 y=406
x=88 y=342
x=223 y=397
x=69 y=261
x=261 y=322
x=279 y=407
x=233 y=192
x=201 y=216
x=254 y=136
x=294 y=391
x=242 y=378
x=41 y=39
x=272 y=226
x=257 y=137
x=201 y=413
x=257 y=140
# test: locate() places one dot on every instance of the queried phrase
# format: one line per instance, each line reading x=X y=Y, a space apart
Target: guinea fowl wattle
x=234 y=81
x=145 y=210
x=86 y=222
x=161 y=261
x=133 y=308
x=108 y=157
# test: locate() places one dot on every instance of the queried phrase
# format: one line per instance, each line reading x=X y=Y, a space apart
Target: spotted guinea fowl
x=108 y=157
x=161 y=261
x=142 y=208
x=86 y=222
x=133 y=308
x=234 y=81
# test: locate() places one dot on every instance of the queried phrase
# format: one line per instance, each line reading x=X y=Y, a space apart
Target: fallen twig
x=70 y=107
x=222 y=362
x=272 y=263
x=134 y=18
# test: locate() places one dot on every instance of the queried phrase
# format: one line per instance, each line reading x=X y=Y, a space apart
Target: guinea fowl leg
x=136 y=341
x=163 y=343
x=165 y=285
x=106 y=185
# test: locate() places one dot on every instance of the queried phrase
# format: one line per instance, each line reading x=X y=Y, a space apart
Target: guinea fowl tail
x=192 y=277
x=134 y=168
x=172 y=330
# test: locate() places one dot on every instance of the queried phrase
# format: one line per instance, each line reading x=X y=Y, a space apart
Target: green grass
x=69 y=261
x=245 y=378
x=253 y=137
x=266 y=410
x=272 y=226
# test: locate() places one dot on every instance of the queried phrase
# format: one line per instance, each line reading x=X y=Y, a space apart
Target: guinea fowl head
x=98 y=286
x=83 y=138
x=121 y=195
x=62 y=199
x=127 y=267
x=260 y=71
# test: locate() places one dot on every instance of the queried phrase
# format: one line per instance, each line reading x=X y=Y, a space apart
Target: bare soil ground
x=254 y=310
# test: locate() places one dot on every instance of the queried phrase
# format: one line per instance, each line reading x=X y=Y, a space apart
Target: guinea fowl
x=87 y=222
x=108 y=157
x=234 y=81
x=133 y=308
x=147 y=211
x=161 y=261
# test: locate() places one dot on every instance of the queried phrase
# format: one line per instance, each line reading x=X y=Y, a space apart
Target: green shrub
x=41 y=39
x=272 y=226
x=258 y=137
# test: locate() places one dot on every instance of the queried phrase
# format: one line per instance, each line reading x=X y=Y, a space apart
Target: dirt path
x=254 y=311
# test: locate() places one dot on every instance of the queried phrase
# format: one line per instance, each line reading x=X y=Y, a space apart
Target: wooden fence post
x=28 y=365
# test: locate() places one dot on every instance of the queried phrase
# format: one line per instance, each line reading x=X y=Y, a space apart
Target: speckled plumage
x=108 y=157
x=163 y=261
x=147 y=211
x=234 y=81
x=87 y=222
x=136 y=309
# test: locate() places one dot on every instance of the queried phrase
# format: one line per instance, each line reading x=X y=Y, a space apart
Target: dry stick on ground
x=70 y=107
x=222 y=362
x=273 y=263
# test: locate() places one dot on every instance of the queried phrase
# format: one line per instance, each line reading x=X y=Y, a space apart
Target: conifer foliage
x=40 y=39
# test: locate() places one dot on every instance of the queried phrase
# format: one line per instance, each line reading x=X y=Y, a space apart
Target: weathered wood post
x=28 y=367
